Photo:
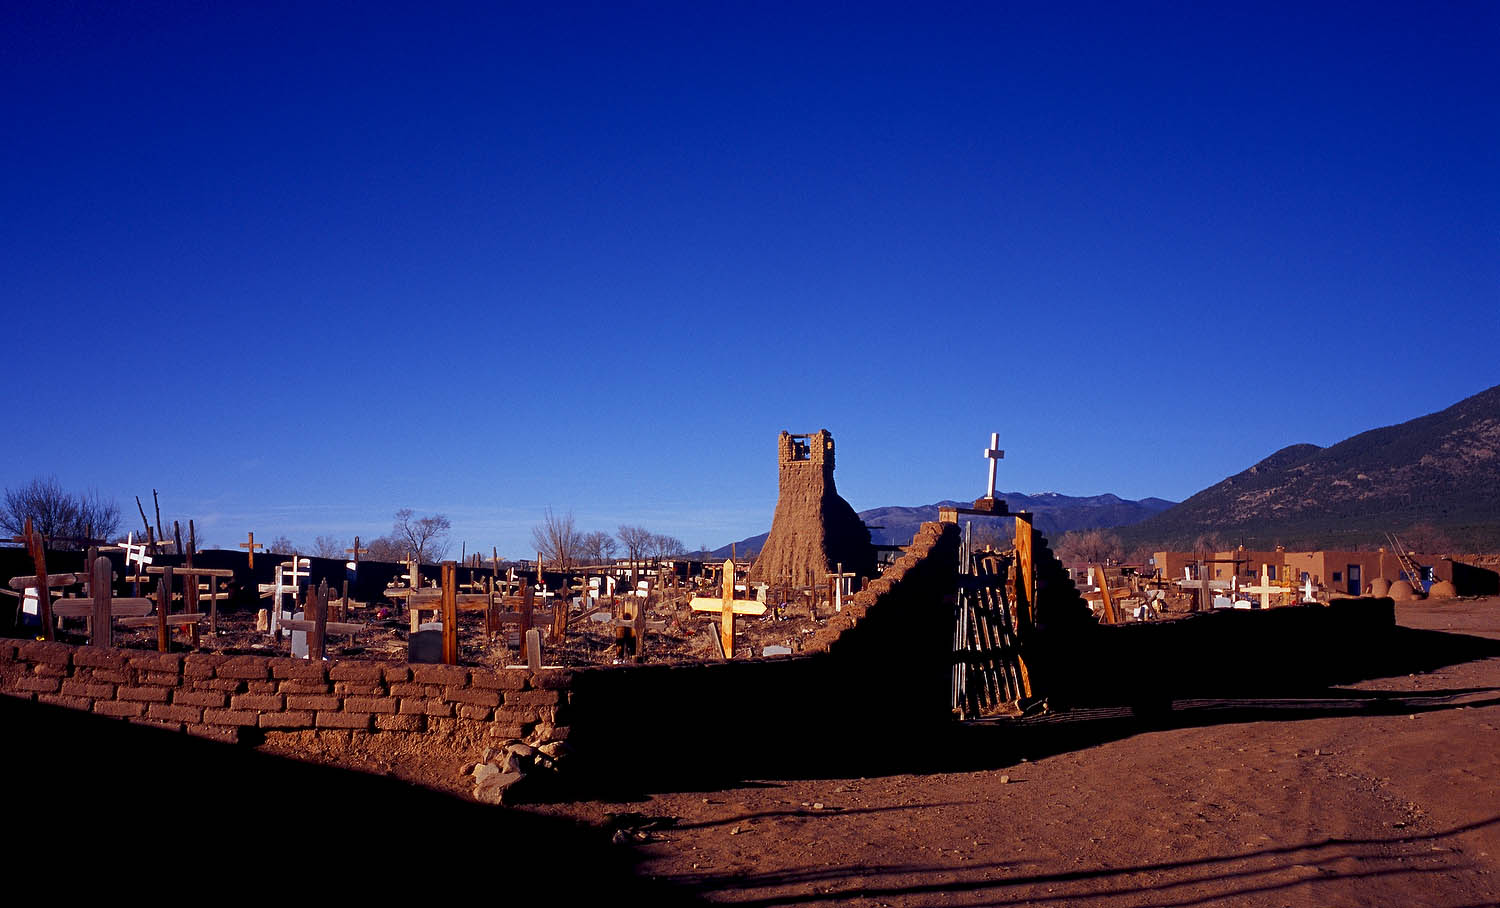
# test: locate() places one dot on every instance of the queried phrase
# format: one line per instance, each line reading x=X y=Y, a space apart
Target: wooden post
x=163 y=605
x=355 y=552
x=344 y=601
x=38 y=547
x=726 y=616
x=213 y=606
x=99 y=585
x=190 y=582
x=317 y=610
x=528 y=603
x=1025 y=573
x=450 y=613
x=533 y=647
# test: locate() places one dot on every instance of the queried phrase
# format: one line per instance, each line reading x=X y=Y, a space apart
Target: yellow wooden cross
x=727 y=606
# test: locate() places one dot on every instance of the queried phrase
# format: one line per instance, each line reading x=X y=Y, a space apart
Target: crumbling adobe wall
x=813 y=529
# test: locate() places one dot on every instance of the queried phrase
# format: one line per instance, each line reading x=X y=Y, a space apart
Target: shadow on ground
x=111 y=800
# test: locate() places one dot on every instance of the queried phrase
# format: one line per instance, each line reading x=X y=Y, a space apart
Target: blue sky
x=297 y=266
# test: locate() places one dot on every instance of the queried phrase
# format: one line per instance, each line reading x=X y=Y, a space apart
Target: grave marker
x=250 y=545
x=727 y=606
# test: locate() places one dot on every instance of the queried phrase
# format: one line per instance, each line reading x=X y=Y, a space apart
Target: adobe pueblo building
x=814 y=530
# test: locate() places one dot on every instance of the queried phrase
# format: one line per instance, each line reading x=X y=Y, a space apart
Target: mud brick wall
x=235 y=698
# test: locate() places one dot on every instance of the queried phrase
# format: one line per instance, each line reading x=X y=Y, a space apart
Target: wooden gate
x=989 y=676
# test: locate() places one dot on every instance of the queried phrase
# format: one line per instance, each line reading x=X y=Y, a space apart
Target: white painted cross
x=994 y=454
x=135 y=554
x=1307 y=591
x=288 y=574
x=1266 y=589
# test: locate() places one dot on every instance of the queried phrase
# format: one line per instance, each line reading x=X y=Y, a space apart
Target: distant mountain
x=1054 y=515
x=1437 y=472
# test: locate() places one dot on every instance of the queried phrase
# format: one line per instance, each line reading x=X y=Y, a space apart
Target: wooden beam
x=163 y=606
x=189 y=571
x=118 y=608
x=53 y=580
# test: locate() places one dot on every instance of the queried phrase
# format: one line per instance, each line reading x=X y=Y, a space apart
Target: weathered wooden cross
x=840 y=582
x=101 y=608
x=1266 y=589
x=356 y=551
x=136 y=555
x=1106 y=596
x=318 y=627
x=251 y=545
x=727 y=606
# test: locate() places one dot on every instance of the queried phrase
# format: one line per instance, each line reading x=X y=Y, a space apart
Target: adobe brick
x=533 y=697
x=85 y=689
x=49 y=670
x=552 y=679
x=311 y=701
x=60 y=700
x=354 y=671
x=118 y=709
x=408 y=689
x=446 y=675
x=229 y=717
x=157 y=723
x=473 y=697
x=45 y=651
x=99 y=657
x=370 y=704
x=260 y=687
x=359 y=688
x=516 y=715
x=260 y=702
x=165 y=679
x=395 y=673
x=426 y=707
x=175 y=713
x=292 y=718
x=505 y=679
x=249 y=668
x=399 y=723
x=199 y=698
x=156 y=662
x=38 y=685
x=112 y=676
x=228 y=685
x=299 y=670
x=202 y=665
x=8 y=650
x=143 y=694
x=342 y=720
x=222 y=733
x=482 y=713
x=508 y=730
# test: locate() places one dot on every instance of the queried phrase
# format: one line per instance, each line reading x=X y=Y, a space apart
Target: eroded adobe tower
x=814 y=529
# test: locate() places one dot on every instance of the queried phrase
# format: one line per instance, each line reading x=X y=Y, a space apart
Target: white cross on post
x=135 y=554
x=994 y=455
x=1265 y=590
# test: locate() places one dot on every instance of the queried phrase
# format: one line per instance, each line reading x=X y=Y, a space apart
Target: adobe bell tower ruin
x=814 y=529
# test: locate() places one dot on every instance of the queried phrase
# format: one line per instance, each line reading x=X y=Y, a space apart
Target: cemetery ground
x=1381 y=792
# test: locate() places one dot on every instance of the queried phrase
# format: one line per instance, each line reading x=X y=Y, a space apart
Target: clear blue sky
x=299 y=265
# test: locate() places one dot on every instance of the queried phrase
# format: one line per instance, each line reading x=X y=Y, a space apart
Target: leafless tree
x=426 y=537
x=558 y=540
x=1092 y=546
x=598 y=547
x=635 y=540
x=282 y=545
x=384 y=549
x=65 y=520
x=328 y=547
x=664 y=546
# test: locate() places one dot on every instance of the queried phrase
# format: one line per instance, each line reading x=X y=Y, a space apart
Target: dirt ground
x=1383 y=792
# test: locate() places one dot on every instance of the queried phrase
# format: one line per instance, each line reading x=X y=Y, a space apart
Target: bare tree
x=426 y=537
x=1092 y=546
x=664 y=546
x=328 y=547
x=65 y=520
x=384 y=549
x=635 y=540
x=598 y=547
x=282 y=545
x=558 y=540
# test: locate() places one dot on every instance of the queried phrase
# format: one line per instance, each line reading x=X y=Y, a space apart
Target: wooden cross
x=251 y=545
x=163 y=620
x=319 y=627
x=838 y=582
x=1106 y=596
x=1266 y=589
x=38 y=551
x=994 y=455
x=136 y=555
x=630 y=636
x=356 y=551
x=727 y=606
x=191 y=577
x=101 y=608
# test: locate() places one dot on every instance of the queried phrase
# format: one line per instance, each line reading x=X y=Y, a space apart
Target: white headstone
x=776 y=651
x=299 y=639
